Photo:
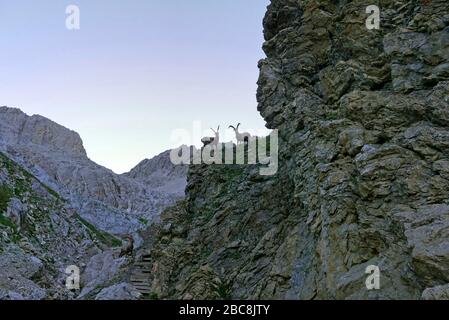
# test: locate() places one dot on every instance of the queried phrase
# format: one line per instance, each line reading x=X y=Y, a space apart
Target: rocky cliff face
x=364 y=166
x=40 y=236
x=114 y=203
x=56 y=207
x=19 y=129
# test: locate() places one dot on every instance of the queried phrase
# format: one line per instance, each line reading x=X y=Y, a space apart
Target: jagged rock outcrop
x=104 y=270
x=436 y=293
x=121 y=291
x=364 y=161
x=40 y=236
x=115 y=203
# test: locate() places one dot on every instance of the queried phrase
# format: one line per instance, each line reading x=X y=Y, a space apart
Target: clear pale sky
x=135 y=71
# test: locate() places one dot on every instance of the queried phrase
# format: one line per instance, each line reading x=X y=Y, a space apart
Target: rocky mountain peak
x=16 y=127
x=161 y=174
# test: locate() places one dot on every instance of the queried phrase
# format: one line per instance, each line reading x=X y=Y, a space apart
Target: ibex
x=128 y=248
x=213 y=141
x=241 y=137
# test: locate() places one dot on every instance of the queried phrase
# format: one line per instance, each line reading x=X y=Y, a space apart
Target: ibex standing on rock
x=128 y=248
x=213 y=141
x=241 y=137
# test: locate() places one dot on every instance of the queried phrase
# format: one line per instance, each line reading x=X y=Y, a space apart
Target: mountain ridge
x=114 y=203
x=363 y=167
x=58 y=209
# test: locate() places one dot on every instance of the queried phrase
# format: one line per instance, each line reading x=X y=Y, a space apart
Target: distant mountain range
x=58 y=208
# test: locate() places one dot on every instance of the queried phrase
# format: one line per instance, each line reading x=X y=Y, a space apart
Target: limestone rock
x=436 y=293
x=40 y=236
x=101 y=269
x=121 y=291
x=363 y=166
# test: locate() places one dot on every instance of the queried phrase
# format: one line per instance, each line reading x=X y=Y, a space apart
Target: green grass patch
x=51 y=191
x=235 y=255
x=14 y=235
x=24 y=183
x=5 y=195
x=107 y=238
x=151 y=296
x=5 y=221
x=143 y=221
x=224 y=291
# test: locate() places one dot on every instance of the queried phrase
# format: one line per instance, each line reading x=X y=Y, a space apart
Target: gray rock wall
x=364 y=160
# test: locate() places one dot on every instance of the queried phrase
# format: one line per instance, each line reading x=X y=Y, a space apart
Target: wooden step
x=144 y=279
x=139 y=280
x=143 y=265
x=140 y=276
x=143 y=289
